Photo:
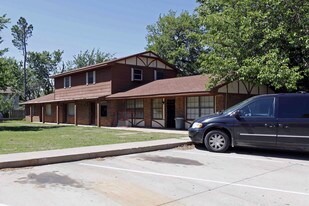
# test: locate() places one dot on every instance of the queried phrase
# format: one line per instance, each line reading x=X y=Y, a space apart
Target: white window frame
x=71 y=109
x=94 y=78
x=48 y=109
x=200 y=106
x=64 y=86
x=133 y=76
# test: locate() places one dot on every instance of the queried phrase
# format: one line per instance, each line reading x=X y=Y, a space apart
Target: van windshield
x=236 y=106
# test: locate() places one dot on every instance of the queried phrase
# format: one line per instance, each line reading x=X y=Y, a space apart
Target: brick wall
x=180 y=106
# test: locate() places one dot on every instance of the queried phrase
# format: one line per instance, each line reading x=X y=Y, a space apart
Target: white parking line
x=195 y=179
x=226 y=156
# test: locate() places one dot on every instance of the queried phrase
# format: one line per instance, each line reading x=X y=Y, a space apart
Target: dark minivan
x=268 y=121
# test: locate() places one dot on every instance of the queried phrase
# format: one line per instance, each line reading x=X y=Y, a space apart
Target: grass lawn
x=21 y=136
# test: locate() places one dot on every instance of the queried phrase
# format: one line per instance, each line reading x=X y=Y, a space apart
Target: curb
x=75 y=154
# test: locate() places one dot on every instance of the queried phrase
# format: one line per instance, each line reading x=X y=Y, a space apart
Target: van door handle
x=283 y=126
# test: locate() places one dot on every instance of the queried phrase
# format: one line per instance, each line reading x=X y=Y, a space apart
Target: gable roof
x=113 y=61
x=179 y=86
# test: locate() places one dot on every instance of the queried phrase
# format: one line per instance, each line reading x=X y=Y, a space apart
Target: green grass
x=21 y=136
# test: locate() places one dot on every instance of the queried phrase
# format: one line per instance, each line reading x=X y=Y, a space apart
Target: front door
x=92 y=113
x=170 y=113
x=257 y=124
x=65 y=113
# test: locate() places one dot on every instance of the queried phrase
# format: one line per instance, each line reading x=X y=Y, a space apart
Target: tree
x=88 y=58
x=3 y=22
x=261 y=42
x=3 y=79
x=21 y=33
x=177 y=39
x=41 y=65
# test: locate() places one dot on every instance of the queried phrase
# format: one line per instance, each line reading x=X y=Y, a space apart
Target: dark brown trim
x=107 y=63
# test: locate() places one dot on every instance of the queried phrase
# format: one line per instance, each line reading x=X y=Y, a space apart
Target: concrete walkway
x=80 y=153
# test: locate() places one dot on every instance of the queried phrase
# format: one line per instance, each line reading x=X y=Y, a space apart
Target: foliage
x=262 y=42
x=21 y=33
x=177 y=39
x=10 y=74
x=40 y=66
x=3 y=22
x=6 y=104
x=88 y=58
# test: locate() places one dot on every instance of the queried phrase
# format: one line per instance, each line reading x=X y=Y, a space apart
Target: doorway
x=65 y=113
x=92 y=113
x=170 y=113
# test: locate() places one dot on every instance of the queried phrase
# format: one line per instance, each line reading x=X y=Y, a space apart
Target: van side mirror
x=236 y=114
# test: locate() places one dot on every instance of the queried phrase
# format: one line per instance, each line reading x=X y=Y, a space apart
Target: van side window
x=294 y=107
x=262 y=107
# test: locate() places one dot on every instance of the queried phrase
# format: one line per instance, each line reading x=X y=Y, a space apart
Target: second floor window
x=90 y=77
x=136 y=75
x=67 y=82
x=158 y=75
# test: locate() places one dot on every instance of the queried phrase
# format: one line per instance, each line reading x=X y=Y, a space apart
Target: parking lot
x=182 y=176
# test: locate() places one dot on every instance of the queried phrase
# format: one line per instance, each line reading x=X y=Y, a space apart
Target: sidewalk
x=80 y=153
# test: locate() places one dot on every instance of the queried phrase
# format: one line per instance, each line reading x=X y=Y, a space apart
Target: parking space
x=181 y=176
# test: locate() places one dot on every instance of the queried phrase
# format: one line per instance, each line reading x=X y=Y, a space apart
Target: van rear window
x=294 y=107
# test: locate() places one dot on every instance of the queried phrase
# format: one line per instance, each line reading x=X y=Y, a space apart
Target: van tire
x=217 y=141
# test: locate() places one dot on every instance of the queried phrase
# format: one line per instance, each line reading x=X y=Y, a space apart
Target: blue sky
x=115 y=26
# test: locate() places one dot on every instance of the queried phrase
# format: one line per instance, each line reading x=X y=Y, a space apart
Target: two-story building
x=137 y=90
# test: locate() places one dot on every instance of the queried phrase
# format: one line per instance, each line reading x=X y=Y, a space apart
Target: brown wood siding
x=121 y=76
x=80 y=90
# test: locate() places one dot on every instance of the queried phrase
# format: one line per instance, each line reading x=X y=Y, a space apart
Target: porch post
x=43 y=114
x=31 y=116
x=57 y=113
x=98 y=113
x=75 y=113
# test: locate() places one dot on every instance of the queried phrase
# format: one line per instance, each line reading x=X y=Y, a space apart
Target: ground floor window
x=157 y=108
x=136 y=108
x=199 y=106
x=71 y=109
x=104 y=109
x=48 y=109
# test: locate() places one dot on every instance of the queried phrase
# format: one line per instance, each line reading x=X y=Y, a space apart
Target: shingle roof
x=43 y=99
x=167 y=87
x=109 y=62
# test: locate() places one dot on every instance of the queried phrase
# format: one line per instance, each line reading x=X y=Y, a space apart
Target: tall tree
x=21 y=33
x=41 y=65
x=3 y=64
x=88 y=58
x=3 y=22
x=262 y=42
x=177 y=39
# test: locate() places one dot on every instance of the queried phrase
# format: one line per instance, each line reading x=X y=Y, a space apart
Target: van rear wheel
x=217 y=141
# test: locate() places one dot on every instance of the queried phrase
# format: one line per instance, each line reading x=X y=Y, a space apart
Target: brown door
x=92 y=113
x=170 y=113
x=65 y=113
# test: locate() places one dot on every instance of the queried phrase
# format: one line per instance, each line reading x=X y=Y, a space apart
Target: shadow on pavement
x=276 y=153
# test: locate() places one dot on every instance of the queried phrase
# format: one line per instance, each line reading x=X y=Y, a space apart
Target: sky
x=114 y=26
